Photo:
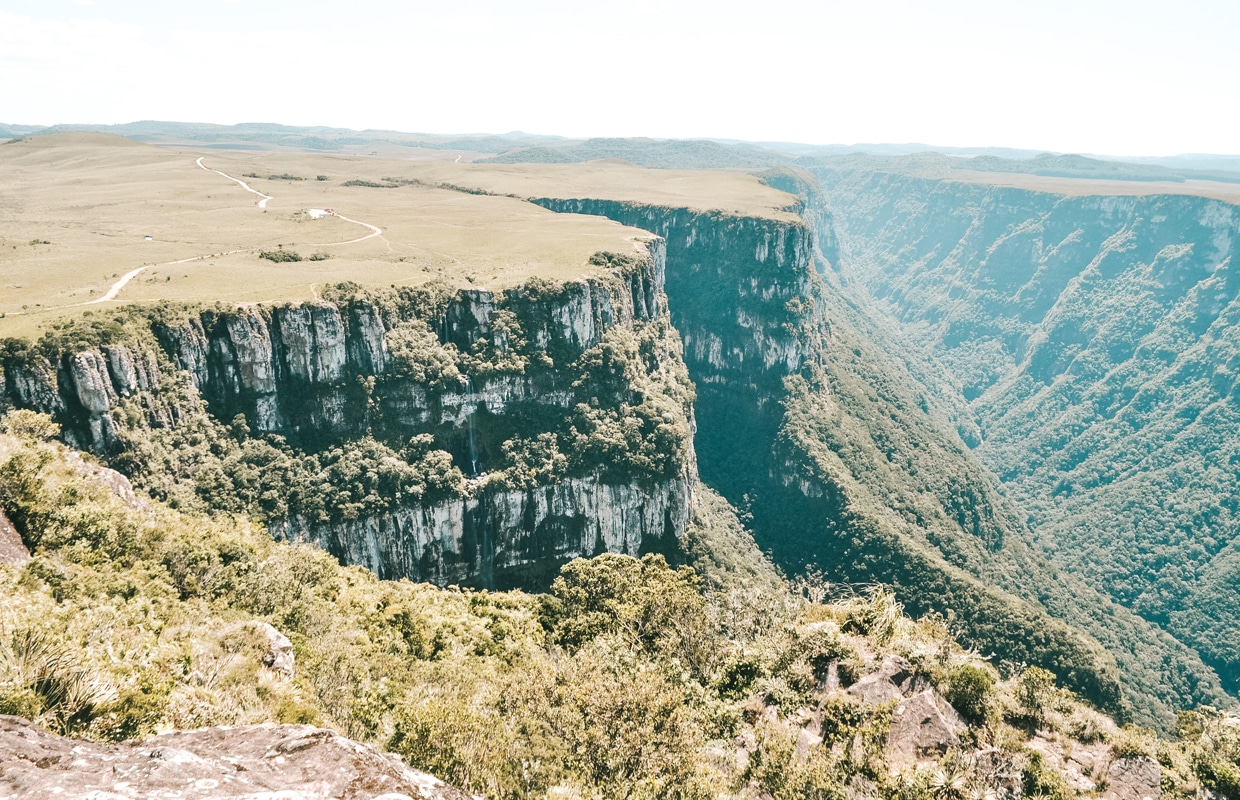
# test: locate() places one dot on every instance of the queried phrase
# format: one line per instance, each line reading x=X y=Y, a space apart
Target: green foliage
x=415 y=351
x=651 y=608
x=971 y=690
x=42 y=681
x=279 y=256
x=613 y=686
x=1096 y=349
x=1213 y=741
x=1036 y=692
x=1039 y=780
x=370 y=184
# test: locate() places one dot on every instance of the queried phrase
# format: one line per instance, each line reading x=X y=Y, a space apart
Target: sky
x=1125 y=78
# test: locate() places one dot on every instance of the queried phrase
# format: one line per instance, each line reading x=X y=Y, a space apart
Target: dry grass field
x=76 y=211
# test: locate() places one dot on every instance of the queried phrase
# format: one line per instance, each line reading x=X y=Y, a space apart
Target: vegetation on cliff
x=630 y=678
x=619 y=408
x=851 y=468
x=1094 y=340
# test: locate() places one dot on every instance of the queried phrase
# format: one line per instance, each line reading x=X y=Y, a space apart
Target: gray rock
x=12 y=549
x=33 y=385
x=999 y=771
x=286 y=761
x=444 y=543
x=875 y=689
x=923 y=727
x=278 y=656
x=894 y=680
x=1133 y=779
x=367 y=340
x=91 y=382
x=110 y=479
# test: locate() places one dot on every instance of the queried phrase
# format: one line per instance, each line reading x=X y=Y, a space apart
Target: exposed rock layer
x=325 y=373
x=296 y=762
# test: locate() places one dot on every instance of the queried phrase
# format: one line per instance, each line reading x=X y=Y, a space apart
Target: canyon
x=921 y=383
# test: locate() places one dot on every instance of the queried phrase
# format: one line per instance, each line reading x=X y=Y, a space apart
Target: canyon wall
x=483 y=377
x=1095 y=341
x=830 y=449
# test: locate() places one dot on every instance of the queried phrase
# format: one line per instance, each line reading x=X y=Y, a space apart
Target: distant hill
x=267 y=136
x=1044 y=164
x=657 y=153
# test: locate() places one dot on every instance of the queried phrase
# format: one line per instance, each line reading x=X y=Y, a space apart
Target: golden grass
x=95 y=198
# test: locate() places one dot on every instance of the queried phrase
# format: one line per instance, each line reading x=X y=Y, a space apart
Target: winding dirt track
x=265 y=197
x=116 y=288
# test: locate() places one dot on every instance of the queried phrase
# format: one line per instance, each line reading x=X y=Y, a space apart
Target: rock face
x=894 y=680
x=1133 y=779
x=504 y=538
x=292 y=762
x=322 y=374
x=12 y=549
x=742 y=292
x=923 y=727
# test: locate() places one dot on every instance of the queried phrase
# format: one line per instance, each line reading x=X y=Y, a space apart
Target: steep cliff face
x=819 y=436
x=482 y=403
x=1094 y=338
x=743 y=298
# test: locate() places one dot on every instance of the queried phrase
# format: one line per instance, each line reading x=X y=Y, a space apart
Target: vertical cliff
x=452 y=435
x=823 y=440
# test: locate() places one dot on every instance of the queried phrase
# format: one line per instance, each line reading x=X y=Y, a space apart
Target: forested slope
x=1094 y=341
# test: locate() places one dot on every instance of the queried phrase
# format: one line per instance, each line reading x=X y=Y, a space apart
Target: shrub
x=1035 y=691
x=279 y=255
x=970 y=690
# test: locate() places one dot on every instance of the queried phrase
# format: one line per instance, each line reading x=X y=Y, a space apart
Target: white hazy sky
x=1101 y=76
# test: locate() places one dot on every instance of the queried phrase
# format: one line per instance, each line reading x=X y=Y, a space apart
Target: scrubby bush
x=279 y=255
x=971 y=691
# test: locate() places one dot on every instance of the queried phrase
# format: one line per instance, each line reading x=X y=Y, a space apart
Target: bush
x=971 y=691
x=1035 y=691
x=279 y=255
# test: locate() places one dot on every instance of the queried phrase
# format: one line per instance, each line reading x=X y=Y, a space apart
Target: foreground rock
x=289 y=762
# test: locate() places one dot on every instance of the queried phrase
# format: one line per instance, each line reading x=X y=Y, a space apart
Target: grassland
x=76 y=211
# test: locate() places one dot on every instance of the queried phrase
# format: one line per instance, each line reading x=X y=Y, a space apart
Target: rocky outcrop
x=923 y=728
x=505 y=538
x=742 y=291
x=472 y=368
x=13 y=549
x=277 y=650
x=285 y=761
x=731 y=281
x=894 y=680
x=1133 y=779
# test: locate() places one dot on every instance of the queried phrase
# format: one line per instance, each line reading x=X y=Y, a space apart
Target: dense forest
x=1093 y=341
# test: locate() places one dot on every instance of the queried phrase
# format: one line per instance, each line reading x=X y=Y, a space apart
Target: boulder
x=923 y=727
x=286 y=761
x=1133 y=779
x=894 y=680
x=999 y=771
x=110 y=479
x=278 y=656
